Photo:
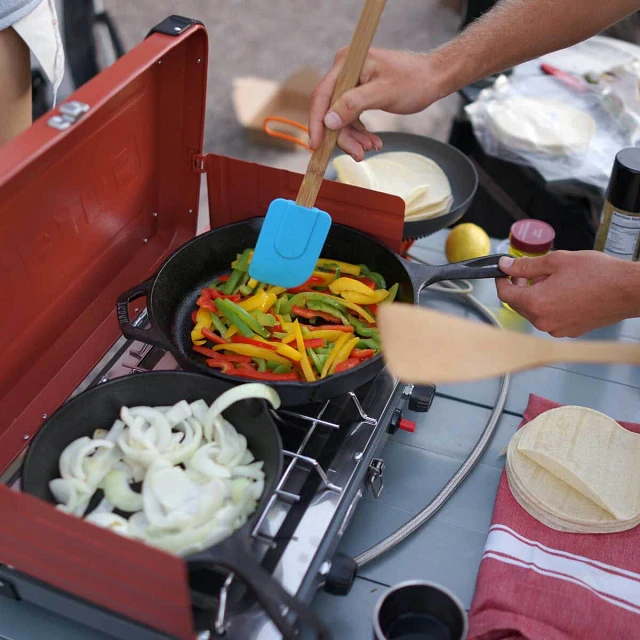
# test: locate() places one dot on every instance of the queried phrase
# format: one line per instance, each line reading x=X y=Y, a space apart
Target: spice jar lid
x=624 y=185
x=532 y=236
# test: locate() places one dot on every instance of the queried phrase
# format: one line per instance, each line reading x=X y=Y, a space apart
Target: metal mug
x=418 y=610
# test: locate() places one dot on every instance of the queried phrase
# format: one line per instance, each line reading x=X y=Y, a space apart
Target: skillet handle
x=423 y=275
x=149 y=336
x=231 y=554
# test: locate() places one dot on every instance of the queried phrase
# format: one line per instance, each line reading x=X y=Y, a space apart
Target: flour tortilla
x=591 y=453
x=538 y=124
x=552 y=501
x=419 y=181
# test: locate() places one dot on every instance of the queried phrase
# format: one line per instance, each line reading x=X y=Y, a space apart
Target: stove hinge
x=374 y=476
x=198 y=163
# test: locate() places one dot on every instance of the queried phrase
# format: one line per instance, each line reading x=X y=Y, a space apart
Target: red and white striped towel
x=541 y=584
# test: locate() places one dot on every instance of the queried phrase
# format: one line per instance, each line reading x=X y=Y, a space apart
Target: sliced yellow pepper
x=283 y=348
x=231 y=331
x=254 y=302
x=345 y=267
x=199 y=342
x=290 y=338
x=328 y=335
x=269 y=301
x=276 y=290
x=253 y=283
x=344 y=353
x=306 y=365
x=196 y=333
x=349 y=284
x=251 y=351
x=203 y=318
x=327 y=278
x=334 y=352
x=375 y=297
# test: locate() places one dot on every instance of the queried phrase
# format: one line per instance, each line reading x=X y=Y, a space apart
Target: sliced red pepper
x=347 y=364
x=361 y=354
x=214 y=293
x=212 y=337
x=277 y=329
x=313 y=343
x=373 y=308
x=245 y=366
x=330 y=327
x=267 y=376
x=255 y=343
x=206 y=303
x=216 y=355
x=193 y=317
x=313 y=280
x=310 y=313
x=227 y=367
x=223 y=278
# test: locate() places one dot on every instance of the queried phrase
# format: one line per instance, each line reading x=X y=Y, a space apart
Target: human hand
x=572 y=292
x=395 y=81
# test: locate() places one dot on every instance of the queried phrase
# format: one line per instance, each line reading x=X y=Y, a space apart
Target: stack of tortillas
x=418 y=180
x=576 y=470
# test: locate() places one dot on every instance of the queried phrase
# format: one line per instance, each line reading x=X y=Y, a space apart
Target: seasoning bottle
x=619 y=233
x=530 y=238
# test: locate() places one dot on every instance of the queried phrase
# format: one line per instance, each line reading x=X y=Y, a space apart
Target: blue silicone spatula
x=293 y=233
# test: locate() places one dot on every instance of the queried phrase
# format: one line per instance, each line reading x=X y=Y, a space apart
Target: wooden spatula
x=423 y=346
x=294 y=233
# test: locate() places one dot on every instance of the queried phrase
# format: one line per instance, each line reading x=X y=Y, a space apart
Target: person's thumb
x=348 y=107
x=525 y=267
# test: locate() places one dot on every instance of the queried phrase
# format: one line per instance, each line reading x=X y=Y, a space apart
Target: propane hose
x=470 y=462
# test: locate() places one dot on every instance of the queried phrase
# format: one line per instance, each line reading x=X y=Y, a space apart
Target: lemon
x=467 y=241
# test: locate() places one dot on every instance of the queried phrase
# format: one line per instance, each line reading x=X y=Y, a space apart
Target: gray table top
x=448 y=548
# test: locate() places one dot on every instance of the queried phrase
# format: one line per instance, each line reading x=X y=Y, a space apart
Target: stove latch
x=374 y=476
x=70 y=113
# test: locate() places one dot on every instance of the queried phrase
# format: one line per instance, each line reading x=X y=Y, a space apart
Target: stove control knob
x=341 y=575
x=422 y=397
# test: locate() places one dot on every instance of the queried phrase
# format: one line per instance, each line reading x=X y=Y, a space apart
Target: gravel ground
x=272 y=39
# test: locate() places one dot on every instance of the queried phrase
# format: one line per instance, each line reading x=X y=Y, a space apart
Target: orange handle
x=286 y=136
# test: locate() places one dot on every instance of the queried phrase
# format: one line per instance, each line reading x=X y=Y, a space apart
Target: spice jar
x=530 y=238
x=619 y=233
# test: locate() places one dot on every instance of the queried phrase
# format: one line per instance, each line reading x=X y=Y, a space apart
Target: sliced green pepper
x=282 y=368
x=228 y=309
x=272 y=366
x=393 y=292
x=317 y=305
x=244 y=278
x=262 y=364
x=373 y=275
x=246 y=318
x=301 y=299
x=362 y=329
x=265 y=319
x=218 y=325
x=245 y=290
x=368 y=343
x=242 y=267
x=317 y=359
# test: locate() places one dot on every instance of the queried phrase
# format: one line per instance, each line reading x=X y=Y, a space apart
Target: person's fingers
x=526 y=267
x=320 y=103
x=363 y=139
x=350 y=144
x=517 y=297
x=351 y=104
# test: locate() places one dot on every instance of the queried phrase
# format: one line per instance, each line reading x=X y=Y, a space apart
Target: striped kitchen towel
x=541 y=584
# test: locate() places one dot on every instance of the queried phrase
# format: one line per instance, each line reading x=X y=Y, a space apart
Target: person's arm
x=511 y=33
x=572 y=292
x=15 y=83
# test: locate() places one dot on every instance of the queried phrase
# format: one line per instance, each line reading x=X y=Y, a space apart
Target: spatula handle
x=348 y=79
x=597 y=352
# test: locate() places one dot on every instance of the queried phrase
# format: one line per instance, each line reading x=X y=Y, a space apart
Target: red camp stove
x=93 y=198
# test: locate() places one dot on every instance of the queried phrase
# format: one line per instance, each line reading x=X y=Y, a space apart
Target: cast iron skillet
x=98 y=407
x=172 y=292
x=460 y=171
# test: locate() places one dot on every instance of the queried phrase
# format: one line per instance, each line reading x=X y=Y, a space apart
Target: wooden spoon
x=423 y=346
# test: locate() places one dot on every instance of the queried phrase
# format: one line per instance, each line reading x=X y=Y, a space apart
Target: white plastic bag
x=537 y=121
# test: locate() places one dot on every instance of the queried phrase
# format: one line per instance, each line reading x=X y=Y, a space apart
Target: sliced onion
x=192 y=440
x=120 y=494
x=253 y=470
x=110 y=521
x=160 y=424
x=199 y=409
x=138 y=524
x=178 y=413
x=203 y=461
x=242 y=392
